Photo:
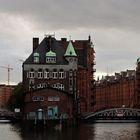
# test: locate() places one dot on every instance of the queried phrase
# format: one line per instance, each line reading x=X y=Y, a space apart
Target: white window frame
x=55 y=74
x=46 y=74
x=47 y=59
x=31 y=74
x=61 y=87
x=40 y=74
x=37 y=98
x=50 y=59
x=54 y=98
x=36 y=59
x=61 y=75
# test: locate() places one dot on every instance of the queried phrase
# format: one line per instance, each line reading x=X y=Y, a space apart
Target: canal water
x=95 y=131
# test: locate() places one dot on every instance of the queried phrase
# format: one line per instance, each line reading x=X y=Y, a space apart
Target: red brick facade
x=116 y=91
x=5 y=93
x=51 y=98
x=71 y=74
x=138 y=84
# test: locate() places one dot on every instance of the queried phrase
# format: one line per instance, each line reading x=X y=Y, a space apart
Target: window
x=31 y=73
x=40 y=74
x=46 y=74
x=70 y=82
x=38 y=98
x=58 y=86
x=56 y=98
x=61 y=74
x=53 y=98
x=50 y=59
x=31 y=84
x=61 y=86
x=55 y=74
x=39 y=86
x=36 y=57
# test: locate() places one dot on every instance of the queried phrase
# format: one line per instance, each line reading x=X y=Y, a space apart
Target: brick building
x=116 y=91
x=58 y=77
x=5 y=93
x=138 y=83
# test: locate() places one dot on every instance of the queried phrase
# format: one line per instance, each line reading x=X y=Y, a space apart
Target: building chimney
x=63 y=39
x=35 y=43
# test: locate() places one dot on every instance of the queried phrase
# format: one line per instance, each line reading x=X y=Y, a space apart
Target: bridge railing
x=115 y=113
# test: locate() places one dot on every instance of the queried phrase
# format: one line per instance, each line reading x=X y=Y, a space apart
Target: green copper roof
x=138 y=60
x=50 y=53
x=36 y=54
x=70 y=50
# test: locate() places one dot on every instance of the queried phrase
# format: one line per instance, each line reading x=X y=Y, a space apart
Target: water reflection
x=82 y=132
x=96 y=131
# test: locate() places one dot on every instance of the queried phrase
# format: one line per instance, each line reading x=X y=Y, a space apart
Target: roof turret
x=70 y=50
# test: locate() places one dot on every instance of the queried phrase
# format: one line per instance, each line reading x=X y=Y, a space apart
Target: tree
x=16 y=100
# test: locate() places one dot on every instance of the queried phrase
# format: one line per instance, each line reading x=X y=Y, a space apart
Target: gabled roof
x=43 y=48
x=70 y=50
x=79 y=49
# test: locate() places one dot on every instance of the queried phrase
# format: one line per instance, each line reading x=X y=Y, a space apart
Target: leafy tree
x=16 y=100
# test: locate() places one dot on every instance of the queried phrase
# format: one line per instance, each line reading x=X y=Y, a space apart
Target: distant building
x=138 y=83
x=5 y=93
x=58 y=78
x=116 y=91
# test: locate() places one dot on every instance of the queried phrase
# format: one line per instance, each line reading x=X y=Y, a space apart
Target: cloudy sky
x=114 y=26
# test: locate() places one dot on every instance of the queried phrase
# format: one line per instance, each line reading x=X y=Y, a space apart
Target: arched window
x=31 y=73
x=40 y=73
x=55 y=74
x=61 y=74
x=36 y=57
x=46 y=74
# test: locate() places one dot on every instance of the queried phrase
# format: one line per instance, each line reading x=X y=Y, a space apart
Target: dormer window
x=50 y=57
x=36 y=57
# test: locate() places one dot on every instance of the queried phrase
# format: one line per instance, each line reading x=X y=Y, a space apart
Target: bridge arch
x=115 y=113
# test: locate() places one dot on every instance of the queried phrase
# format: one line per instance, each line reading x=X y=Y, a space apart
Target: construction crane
x=8 y=69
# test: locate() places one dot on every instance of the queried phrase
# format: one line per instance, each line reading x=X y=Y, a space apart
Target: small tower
x=70 y=54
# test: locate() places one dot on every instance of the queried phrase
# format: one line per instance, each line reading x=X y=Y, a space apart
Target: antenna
x=107 y=71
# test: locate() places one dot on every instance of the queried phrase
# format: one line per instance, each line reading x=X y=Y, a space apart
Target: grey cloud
x=64 y=14
x=113 y=25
